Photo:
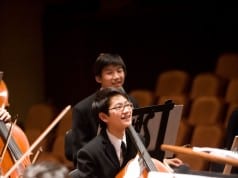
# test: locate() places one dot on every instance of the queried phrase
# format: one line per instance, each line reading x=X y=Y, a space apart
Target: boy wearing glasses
x=102 y=156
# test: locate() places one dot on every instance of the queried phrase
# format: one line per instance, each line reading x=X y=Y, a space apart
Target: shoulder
x=85 y=103
x=94 y=146
x=134 y=101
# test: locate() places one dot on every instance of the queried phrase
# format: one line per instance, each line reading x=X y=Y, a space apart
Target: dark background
x=150 y=36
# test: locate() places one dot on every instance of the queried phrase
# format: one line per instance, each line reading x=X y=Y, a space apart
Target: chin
x=128 y=123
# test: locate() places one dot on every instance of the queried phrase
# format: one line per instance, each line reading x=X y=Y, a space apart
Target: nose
x=115 y=75
x=127 y=108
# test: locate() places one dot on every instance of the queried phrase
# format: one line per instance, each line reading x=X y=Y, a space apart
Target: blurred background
x=48 y=47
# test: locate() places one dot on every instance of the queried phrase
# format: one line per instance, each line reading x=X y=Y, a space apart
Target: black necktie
x=123 y=149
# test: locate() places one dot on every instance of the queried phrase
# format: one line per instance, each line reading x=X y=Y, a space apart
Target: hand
x=4 y=115
x=174 y=162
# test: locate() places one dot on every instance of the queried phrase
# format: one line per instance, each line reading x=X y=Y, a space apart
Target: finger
x=176 y=160
x=5 y=116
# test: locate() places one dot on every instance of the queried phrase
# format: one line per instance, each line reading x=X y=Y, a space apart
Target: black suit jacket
x=98 y=158
x=85 y=124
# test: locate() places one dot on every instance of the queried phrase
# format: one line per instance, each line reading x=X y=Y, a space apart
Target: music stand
x=158 y=124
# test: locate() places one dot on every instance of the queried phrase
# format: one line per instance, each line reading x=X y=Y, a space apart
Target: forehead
x=112 y=67
x=117 y=99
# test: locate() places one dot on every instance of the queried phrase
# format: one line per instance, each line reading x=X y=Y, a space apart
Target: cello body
x=18 y=142
x=148 y=163
x=144 y=172
x=3 y=94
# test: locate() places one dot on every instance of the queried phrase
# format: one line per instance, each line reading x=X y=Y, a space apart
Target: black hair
x=102 y=101
x=105 y=59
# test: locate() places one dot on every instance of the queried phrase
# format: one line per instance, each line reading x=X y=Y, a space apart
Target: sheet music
x=217 y=152
x=173 y=175
x=171 y=130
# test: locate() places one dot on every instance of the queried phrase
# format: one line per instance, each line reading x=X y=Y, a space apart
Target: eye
x=120 y=70
x=119 y=107
x=129 y=105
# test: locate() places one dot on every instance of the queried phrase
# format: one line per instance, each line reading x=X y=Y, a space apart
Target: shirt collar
x=116 y=142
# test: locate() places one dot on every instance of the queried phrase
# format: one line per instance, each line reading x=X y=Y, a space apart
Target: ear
x=103 y=117
x=98 y=79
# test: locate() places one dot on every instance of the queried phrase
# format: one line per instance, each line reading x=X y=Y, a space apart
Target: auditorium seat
x=33 y=134
x=206 y=110
x=39 y=116
x=144 y=97
x=204 y=136
x=177 y=99
x=207 y=84
x=205 y=127
x=185 y=132
x=227 y=66
x=57 y=153
x=172 y=83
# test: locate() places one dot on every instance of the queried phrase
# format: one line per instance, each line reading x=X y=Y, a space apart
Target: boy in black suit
x=101 y=157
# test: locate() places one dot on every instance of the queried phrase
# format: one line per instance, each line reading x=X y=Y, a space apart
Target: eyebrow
x=126 y=102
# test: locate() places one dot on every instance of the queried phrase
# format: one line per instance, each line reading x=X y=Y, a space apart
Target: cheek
x=122 y=76
x=107 y=79
x=115 y=118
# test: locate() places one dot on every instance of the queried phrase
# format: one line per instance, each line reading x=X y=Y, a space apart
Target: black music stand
x=141 y=119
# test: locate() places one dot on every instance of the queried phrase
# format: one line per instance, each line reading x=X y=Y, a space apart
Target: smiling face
x=111 y=76
x=119 y=116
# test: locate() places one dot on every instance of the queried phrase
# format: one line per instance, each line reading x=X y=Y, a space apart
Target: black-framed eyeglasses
x=122 y=107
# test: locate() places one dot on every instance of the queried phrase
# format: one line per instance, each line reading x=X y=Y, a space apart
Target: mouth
x=126 y=117
x=117 y=84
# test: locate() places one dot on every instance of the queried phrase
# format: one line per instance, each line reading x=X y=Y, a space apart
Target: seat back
x=206 y=111
x=185 y=132
x=143 y=97
x=207 y=84
x=178 y=100
x=208 y=136
x=39 y=116
x=227 y=66
x=33 y=134
x=172 y=82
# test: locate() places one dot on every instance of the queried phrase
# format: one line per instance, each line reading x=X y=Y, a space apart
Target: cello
x=17 y=141
x=17 y=156
x=150 y=164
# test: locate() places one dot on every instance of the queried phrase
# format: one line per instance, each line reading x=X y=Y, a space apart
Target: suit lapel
x=110 y=150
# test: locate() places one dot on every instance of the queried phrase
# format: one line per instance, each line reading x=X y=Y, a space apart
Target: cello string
x=12 y=146
x=7 y=141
